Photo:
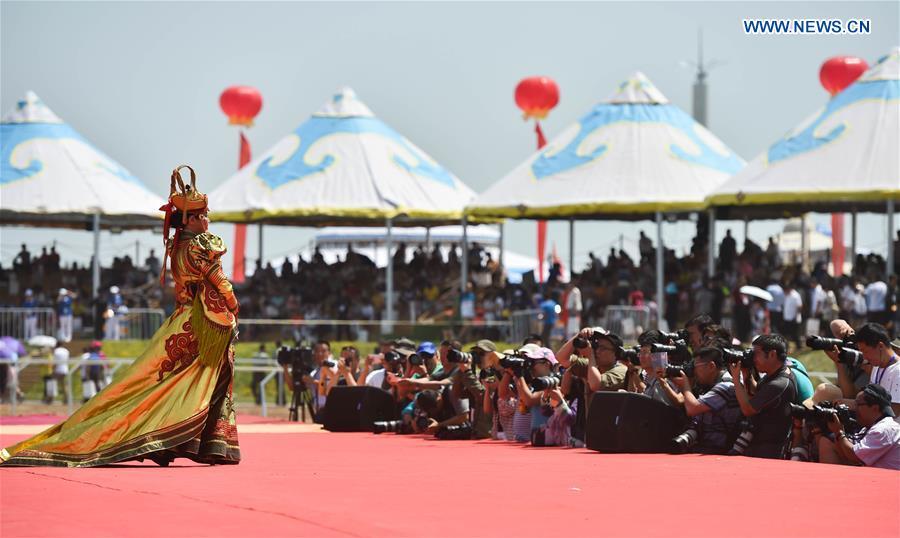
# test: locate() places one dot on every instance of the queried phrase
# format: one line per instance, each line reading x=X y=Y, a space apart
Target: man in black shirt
x=769 y=409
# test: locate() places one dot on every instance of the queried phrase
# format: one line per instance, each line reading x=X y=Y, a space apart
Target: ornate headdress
x=183 y=198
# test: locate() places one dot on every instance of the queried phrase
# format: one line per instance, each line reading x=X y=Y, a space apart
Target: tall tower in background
x=700 y=108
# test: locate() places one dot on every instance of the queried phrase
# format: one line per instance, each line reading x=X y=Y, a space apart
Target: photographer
x=878 y=445
x=851 y=377
x=697 y=329
x=875 y=344
x=441 y=411
x=769 y=409
x=538 y=368
x=348 y=370
x=715 y=411
x=602 y=369
x=653 y=382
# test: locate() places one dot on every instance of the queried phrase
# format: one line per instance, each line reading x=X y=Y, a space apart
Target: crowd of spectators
x=426 y=284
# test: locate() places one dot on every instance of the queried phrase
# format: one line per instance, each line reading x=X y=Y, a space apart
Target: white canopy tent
x=843 y=156
x=51 y=176
x=630 y=157
x=343 y=166
x=338 y=235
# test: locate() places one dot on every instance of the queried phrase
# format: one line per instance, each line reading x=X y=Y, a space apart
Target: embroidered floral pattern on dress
x=214 y=300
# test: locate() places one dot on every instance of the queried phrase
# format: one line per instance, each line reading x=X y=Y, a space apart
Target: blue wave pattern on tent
x=14 y=135
x=317 y=128
x=603 y=115
x=806 y=140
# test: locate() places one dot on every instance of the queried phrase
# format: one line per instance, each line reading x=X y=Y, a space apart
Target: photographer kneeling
x=878 y=445
x=715 y=412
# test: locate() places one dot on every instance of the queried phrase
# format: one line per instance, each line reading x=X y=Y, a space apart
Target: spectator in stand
x=64 y=308
x=31 y=317
x=876 y=302
x=574 y=308
x=727 y=251
x=61 y=370
x=793 y=308
x=776 y=307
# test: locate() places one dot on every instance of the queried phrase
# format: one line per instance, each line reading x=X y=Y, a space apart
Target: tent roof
x=482 y=234
x=342 y=166
x=629 y=156
x=51 y=176
x=842 y=157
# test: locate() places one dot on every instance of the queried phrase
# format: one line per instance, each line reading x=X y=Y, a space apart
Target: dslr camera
x=848 y=353
x=677 y=353
x=822 y=412
x=544 y=383
x=738 y=355
x=631 y=354
x=456 y=356
x=674 y=370
x=516 y=364
x=680 y=334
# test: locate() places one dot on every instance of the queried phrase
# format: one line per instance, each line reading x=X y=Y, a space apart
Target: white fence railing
x=23 y=323
x=627 y=321
x=140 y=323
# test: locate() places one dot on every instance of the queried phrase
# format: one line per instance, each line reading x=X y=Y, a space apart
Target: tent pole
x=389 y=302
x=711 y=247
x=500 y=255
x=746 y=231
x=95 y=266
x=261 y=245
x=464 y=259
x=427 y=238
x=853 y=241
x=889 y=267
x=571 y=249
x=660 y=299
x=803 y=242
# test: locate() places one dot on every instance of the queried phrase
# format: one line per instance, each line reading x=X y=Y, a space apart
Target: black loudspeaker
x=354 y=409
x=629 y=422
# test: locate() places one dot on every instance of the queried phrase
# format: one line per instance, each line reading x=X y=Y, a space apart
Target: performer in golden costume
x=175 y=400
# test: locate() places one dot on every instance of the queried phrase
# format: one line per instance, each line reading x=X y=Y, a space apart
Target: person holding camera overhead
x=769 y=408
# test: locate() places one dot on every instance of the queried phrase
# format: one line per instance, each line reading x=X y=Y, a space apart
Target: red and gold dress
x=175 y=400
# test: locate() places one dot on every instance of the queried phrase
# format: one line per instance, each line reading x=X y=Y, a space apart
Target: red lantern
x=841 y=71
x=241 y=104
x=536 y=96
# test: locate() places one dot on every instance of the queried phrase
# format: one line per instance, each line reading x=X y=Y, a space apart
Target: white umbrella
x=42 y=340
x=759 y=293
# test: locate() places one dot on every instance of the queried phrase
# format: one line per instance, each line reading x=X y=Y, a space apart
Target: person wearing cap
x=541 y=362
x=877 y=445
x=875 y=344
x=600 y=366
x=31 y=318
x=64 y=306
x=428 y=352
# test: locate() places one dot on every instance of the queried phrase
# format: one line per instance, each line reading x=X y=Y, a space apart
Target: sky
x=141 y=81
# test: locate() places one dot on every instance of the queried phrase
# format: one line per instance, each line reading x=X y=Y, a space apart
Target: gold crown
x=186 y=198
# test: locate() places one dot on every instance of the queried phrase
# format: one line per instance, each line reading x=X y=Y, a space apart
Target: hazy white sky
x=142 y=80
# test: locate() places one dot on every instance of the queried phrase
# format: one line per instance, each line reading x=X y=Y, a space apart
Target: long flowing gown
x=175 y=400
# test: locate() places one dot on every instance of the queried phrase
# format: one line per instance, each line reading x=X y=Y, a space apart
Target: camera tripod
x=301 y=399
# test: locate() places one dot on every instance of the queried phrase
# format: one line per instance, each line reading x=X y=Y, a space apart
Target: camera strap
x=880 y=374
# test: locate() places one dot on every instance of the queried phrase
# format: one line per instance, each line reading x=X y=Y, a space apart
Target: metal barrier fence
x=140 y=323
x=23 y=323
x=522 y=323
x=627 y=321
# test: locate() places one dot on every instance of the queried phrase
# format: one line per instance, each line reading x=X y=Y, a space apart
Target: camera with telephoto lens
x=580 y=342
x=299 y=358
x=848 y=353
x=683 y=442
x=416 y=360
x=454 y=432
x=677 y=353
x=516 y=364
x=457 y=356
x=328 y=363
x=631 y=355
x=681 y=334
x=544 y=382
x=388 y=426
x=822 y=412
x=744 y=439
x=674 y=370
x=737 y=355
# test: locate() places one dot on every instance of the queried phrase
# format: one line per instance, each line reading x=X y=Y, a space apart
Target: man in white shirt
x=793 y=307
x=776 y=307
x=875 y=344
x=60 y=369
x=876 y=295
x=879 y=445
x=574 y=308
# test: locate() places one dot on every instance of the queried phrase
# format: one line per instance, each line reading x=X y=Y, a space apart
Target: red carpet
x=313 y=484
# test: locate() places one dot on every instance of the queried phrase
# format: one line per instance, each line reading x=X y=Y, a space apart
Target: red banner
x=240 y=230
x=542 y=224
x=837 y=243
